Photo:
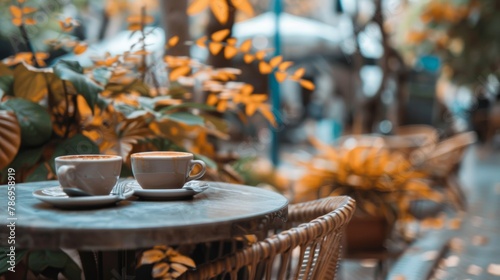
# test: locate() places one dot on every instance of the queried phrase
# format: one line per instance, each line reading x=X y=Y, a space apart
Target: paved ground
x=455 y=250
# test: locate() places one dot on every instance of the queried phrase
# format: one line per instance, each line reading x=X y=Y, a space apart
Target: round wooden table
x=221 y=212
x=106 y=238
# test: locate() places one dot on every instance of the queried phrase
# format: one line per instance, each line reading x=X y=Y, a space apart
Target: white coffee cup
x=165 y=170
x=94 y=174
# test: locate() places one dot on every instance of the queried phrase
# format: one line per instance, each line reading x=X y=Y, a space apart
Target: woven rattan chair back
x=448 y=154
x=416 y=141
x=310 y=249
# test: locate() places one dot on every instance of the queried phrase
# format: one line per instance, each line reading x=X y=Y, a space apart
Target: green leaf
x=40 y=260
x=26 y=158
x=30 y=85
x=37 y=261
x=57 y=258
x=186 y=118
x=6 y=85
x=72 y=71
x=102 y=75
x=4 y=265
x=125 y=109
x=135 y=85
x=72 y=271
x=103 y=103
x=41 y=173
x=188 y=105
x=147 y=102
x=34 y=120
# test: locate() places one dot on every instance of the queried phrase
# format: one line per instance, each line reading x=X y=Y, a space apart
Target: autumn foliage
x=118 y=105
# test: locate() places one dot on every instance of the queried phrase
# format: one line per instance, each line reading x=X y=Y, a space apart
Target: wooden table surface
x=221 y=212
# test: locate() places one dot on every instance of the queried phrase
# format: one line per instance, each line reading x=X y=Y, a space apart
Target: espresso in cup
x=94 y=174
x=165 y=170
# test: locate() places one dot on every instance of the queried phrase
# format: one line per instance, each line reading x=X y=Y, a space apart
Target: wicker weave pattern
x=448 y=154
x=317 y=239
x=444 y=163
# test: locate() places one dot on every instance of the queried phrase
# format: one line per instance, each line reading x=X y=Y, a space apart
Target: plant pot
x=366 y=234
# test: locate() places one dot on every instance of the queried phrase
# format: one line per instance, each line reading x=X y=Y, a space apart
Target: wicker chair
x=416 y=141
x=444 y=162
x=316 y=234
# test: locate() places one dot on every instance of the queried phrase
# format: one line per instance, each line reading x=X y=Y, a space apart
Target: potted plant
x=382 y=182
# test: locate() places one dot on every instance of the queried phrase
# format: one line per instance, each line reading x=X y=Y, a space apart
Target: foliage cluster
x=463 y=34
x=383 y=182
x=120 y=104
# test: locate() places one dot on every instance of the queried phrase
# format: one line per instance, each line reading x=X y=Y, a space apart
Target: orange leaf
x=140 y=19
x=307 y=84
x=265 y=110
x=298 y=74
x=220 y=35
x=160 y=269
x=80 y=48
x=248 y=58
x=141 y=52
x=230 y=52
x=133 y=19
x=28 y=10
x=65 y=27
x=275 y=61
x=221 y=107
x=231 y=41
x=173 y=41
x=285 y=65
x=30 y=21
x=247 y=89
x=215 y=48
x=182 y=260
x=11 y=137
x=243 y=6
x=220 y=9
x=201 y=42
x=197 y=6
x=15 y=11
x=250 y=109
x=134 y=27
x=212 y=99
x=265 y=68
x=17 y=21
x=260 y=55
x=41 y=55
x=178 y=268
x=179 y=72
x=280 y=76
x=151 y=256
x=246 y=46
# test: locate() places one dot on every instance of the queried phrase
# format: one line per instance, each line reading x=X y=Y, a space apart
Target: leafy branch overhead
x=220 y=8
x=119 y=105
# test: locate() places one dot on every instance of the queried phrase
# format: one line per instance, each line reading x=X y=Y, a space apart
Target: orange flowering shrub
x=381 y=181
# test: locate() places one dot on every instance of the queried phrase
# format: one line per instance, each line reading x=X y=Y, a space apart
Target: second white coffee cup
x=165 y=169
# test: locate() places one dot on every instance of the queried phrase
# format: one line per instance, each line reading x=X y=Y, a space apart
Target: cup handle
x=66 y=175
x=200 y=174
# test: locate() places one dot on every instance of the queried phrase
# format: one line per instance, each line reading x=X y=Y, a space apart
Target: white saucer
x=189 y=190
x=56 y=197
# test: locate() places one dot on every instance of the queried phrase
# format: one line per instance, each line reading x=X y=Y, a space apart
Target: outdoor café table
x=221 y=212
